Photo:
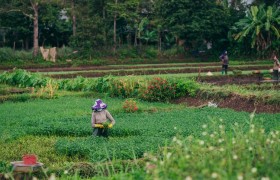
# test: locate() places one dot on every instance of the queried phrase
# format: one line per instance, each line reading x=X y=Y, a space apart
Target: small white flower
x=239 y=177
x=187 y=156
x=214 y=175
x=221 y=120
x=254 y=170
x=204 y=126
x=204 y=133
x=221 y=126
x=252 y=126
x=220 y=140
x=34 y=178
x=276 y=132
x=201 y=142
x=168 y=155
x=271 y=142
x=188 y=178
x=265 y=178
x=235 y=157
x=52 y=177
x=250 y=148
x=236 y=124
x=174 y=139
x=222 y=149
x=211 y=148
x=179 y=142
x=212 y=135
x=65 y=172
x=252 y=131
x=252 y=115
x=154 y=159
x=175 y=128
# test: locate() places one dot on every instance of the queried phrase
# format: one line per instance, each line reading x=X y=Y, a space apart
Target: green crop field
x=58 y=131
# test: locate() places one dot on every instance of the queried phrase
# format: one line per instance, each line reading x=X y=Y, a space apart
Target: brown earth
x=123 y=72
x=235 y=102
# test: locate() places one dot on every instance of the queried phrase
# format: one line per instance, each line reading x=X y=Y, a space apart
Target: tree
x=194 y=21
x=29 y=8
x=261 y=26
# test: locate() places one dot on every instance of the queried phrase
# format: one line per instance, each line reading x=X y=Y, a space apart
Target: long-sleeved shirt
x=101 y=117
x=276 y=63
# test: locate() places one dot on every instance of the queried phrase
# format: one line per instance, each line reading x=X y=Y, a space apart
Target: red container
x=29 y=159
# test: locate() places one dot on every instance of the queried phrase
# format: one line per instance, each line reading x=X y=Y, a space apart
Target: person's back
x=225 y=62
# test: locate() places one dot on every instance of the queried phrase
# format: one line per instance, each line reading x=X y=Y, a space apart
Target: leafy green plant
x=186 y=87
x=237 y=72
x=159 y=89
x=130 y=105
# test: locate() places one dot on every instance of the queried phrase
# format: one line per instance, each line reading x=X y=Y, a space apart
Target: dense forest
x=106 y=27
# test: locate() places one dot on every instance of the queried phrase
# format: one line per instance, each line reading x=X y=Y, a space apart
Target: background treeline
x=140 y=28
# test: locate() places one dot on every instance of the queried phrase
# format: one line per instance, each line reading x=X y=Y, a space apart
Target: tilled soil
x=123 y=72
x=233 y=101
x=237 y=103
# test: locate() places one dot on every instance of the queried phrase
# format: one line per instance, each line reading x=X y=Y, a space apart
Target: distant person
x=100 y=116
x=276 y=66
x=224 y=59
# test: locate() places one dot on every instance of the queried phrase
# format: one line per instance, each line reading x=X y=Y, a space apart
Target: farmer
x=99 y=117
x=276 y=66
x=224 y=59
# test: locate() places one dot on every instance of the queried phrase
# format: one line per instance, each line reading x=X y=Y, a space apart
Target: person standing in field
x=99 y=119
x=276 y=66
x=224 y=59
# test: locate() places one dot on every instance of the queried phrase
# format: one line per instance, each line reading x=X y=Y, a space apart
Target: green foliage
x=206 y=18
x=60 y=131
x=259 y=27
x=22 y=78
x=9 y=55
x=159 y=89
x=237 y=72
x=219 y=154
x=130 y=105
x=186 y=87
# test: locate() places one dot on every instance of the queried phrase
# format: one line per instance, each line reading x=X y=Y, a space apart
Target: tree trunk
x=74 y=26
x=36 y=30
x=135 y=38
x=115 y=30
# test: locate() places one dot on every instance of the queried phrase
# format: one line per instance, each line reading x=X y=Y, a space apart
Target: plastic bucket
x=29 y=159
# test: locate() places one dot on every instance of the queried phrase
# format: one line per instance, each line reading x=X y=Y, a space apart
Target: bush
x=130 y=105
x=151 y=53
x=186 y=87
x=8 y=54
x=159 y=89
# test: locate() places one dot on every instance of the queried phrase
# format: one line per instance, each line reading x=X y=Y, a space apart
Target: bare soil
x=235 y=102
x=126 y=72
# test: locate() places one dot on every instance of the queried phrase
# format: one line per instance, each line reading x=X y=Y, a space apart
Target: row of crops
x=157 y=141
x=63 y=124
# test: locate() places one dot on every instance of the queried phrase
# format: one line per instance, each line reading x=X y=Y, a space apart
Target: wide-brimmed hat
x=99 y=105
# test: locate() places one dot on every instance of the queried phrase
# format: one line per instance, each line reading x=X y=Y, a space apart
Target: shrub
x=237 y=72
x=123 y=88
x=130 y=105
x=186 y=87
x=159 y=89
